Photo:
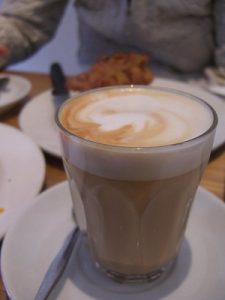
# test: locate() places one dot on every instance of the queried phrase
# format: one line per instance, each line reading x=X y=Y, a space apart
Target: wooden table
x=213 y=178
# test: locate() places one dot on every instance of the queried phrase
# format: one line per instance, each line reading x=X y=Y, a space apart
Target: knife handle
x=58 y=79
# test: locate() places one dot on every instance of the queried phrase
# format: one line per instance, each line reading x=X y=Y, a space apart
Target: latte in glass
x=134 y=157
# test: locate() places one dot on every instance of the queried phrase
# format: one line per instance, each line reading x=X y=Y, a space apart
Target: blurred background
x=56 y=49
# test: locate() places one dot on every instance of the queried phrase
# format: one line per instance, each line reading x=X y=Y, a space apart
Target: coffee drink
x=134 y=157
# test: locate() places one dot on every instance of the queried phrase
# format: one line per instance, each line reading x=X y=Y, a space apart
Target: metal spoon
x=58 y=266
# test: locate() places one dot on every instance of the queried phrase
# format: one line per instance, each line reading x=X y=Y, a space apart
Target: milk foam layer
x=133 y=163
x=136 y=117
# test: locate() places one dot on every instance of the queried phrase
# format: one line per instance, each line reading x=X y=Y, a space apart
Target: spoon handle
x=57 y=266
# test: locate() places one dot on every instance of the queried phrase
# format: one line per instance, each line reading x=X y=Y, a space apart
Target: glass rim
x=139 y=148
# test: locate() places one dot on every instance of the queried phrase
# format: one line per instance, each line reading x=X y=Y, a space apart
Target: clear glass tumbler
x=134 y=202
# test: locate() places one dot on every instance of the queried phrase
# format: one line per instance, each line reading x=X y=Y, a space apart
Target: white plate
x=217 y=103
x=35 y=239
x=17 y=88
x=22 y=171
x=37 y=117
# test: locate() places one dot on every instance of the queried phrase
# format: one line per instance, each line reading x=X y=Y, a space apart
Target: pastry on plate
x=116 y=69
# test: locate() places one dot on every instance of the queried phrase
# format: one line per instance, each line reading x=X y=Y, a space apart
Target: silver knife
x=59 y=89
x=58 y=266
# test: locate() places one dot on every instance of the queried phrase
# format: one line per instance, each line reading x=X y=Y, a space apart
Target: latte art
x=135 y=117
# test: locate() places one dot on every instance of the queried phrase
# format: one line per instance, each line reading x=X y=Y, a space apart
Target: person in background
x=185 y=36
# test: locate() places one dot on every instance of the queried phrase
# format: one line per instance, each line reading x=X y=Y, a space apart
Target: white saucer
x=17 y=88
x=22 y=172
x=37 y=117
x=34 y=240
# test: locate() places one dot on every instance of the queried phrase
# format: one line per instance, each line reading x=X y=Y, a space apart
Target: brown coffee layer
x=135 y=227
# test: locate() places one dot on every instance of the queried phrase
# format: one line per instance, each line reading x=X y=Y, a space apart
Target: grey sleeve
x=219 y=17
x=26 y=25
